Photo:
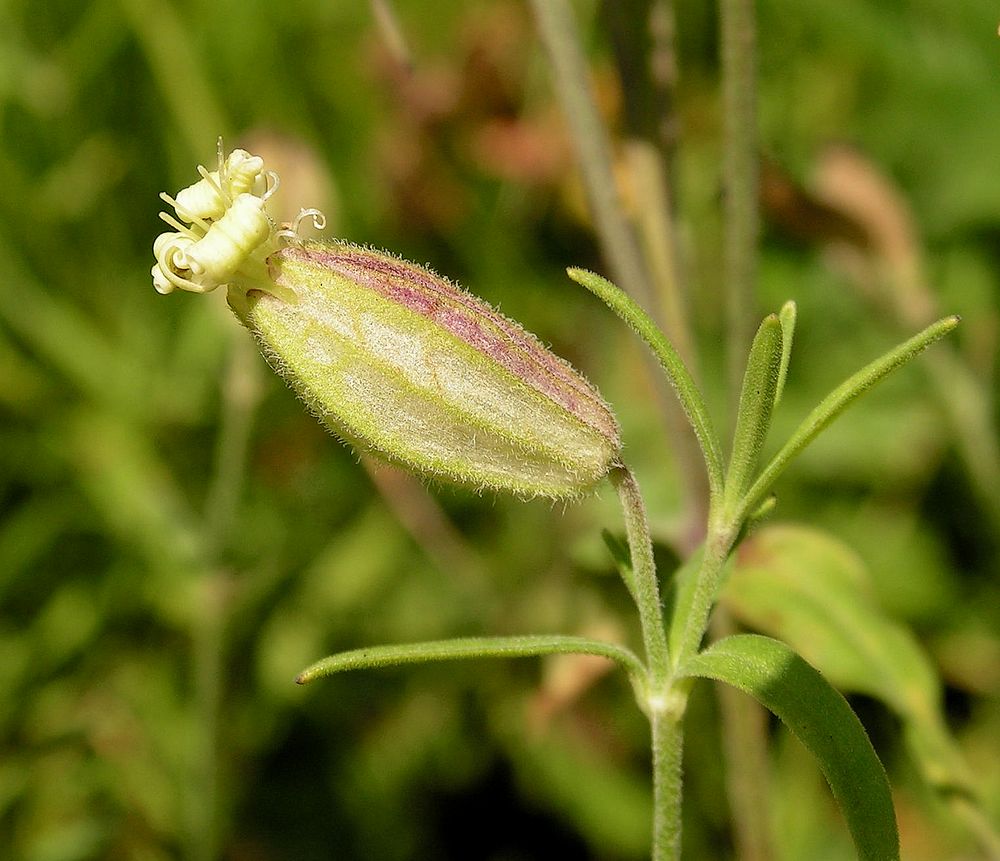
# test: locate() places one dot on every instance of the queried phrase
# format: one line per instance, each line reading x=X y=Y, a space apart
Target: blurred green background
x=178 y=537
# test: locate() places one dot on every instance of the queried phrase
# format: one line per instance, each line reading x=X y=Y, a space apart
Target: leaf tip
x=579 y=275
x=944 y=326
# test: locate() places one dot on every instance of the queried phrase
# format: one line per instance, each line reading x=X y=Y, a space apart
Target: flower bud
x=391 y=357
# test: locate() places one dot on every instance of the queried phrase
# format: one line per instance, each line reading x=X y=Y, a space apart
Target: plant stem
x=971 y=814
x=666 y=722
x=739 y=82
x=646 y=592
x=654 y=219
x=240 y=392
x=664 y=704
x=717 y=546
x=558 y=30
x=664 y=74
x=969 y=407
x=744 y=740
x=744 y=737
x=391 y=32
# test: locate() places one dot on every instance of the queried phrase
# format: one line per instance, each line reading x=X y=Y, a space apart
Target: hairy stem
x=646 y=590
x=664 y=704
x=707 y=581
x=666 y=722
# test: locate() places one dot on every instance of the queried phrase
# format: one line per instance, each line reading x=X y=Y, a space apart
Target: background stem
x=655 y=221
x=175 y=63
x=744 y=740
x=557 y=28
x=239 y=399
x=739 y=106
x=743 y=721
x=642 y=33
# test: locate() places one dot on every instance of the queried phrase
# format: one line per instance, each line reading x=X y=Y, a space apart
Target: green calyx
x=404 y=364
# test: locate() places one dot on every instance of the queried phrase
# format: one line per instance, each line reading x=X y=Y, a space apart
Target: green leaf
x=809 y=589
x=622 y=557
x=678 y=374
x=761 y=512
x=760 y=382
x=787 y=317
x=618 y=548
x=470 y=647
x=822 y=720
x=839 y=399
x=754 y=519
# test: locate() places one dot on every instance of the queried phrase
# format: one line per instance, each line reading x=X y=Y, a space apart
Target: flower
x=390 y=356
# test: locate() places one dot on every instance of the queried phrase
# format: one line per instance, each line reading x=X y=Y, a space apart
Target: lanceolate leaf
x=756 y=405
x=787 y=318
x=840 y=398
x=470 y=647
x=680 y=378
x=622 y=557
x=821 y=718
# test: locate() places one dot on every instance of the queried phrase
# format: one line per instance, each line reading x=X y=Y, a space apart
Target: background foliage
x=178 y=538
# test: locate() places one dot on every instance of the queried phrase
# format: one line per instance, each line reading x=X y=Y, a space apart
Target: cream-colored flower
x=222 y=233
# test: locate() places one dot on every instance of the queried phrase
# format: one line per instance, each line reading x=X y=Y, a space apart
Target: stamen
x=218 y=187
x=204 y=225
x=176 y=225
